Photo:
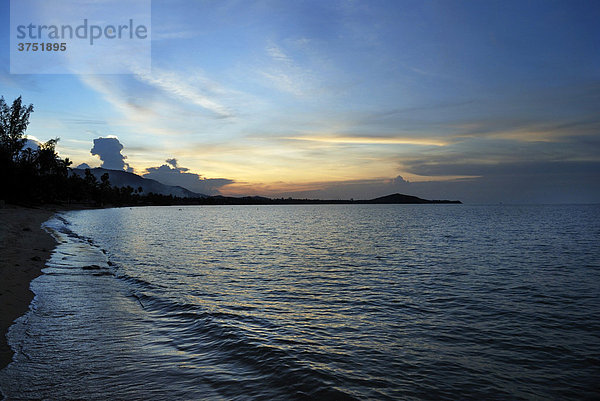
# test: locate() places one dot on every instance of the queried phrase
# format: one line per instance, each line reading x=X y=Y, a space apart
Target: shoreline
x=24 y=249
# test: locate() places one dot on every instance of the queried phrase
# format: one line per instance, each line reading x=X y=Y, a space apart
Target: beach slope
x=24 y=249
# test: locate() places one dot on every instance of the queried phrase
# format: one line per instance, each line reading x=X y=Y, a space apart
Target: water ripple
x=319 y=302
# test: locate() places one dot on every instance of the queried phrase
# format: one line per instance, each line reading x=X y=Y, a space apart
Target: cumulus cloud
x=173 y=174
x=173 y=162
x=32 y=144
x=109 y=150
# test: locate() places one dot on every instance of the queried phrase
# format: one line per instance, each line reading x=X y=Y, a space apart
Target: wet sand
x=24 y=249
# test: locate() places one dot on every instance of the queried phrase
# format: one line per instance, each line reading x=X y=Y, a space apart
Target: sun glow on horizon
x=373 y=140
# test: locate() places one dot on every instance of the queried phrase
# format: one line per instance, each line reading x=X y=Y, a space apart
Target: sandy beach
x=24 y=249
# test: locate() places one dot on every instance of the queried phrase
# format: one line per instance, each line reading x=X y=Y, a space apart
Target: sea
x=314 y=302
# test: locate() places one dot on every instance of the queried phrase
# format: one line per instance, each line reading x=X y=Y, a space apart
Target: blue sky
x=483 y=101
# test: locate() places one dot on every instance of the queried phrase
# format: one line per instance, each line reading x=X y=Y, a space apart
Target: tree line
x=37 y=176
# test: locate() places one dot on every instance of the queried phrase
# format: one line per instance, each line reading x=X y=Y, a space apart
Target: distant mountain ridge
x=119 y=178
x=259 y=200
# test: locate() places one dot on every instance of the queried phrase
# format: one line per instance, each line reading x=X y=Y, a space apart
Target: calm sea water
x=423 y=302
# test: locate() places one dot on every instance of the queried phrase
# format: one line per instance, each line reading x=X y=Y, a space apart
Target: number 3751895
x=43 y=47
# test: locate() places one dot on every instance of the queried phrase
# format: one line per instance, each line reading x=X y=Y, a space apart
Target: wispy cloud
x=278 y=55
x=84 y=121
x=114 y=91
x=193 y=88
x=184 y=87
x=367 y=140
x=287 y=75
x=548 y=130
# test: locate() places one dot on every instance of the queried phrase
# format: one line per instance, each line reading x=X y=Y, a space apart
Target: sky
x=482 y=101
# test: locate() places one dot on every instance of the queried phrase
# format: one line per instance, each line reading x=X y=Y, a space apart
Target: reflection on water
x=315 y=302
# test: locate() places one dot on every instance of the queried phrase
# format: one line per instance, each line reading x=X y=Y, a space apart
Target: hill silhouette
x=120 y=178
x=407 y=199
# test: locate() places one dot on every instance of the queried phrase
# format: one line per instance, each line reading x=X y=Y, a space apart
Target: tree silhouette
x=29 y=176
x=13 y=123
x=26 y=174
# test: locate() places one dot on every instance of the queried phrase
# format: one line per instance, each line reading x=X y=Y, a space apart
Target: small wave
x=230 y=338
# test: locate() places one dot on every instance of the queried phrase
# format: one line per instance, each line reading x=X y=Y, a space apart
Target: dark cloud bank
x=172 y=174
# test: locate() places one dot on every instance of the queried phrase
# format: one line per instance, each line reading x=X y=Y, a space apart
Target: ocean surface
x=324 y=302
